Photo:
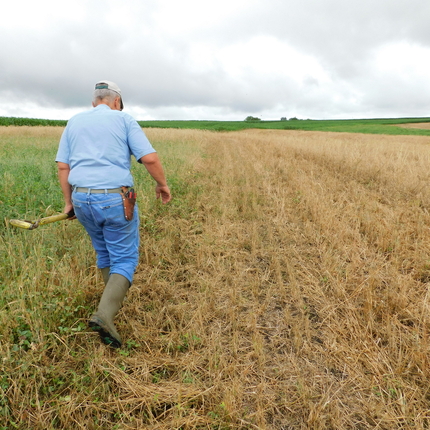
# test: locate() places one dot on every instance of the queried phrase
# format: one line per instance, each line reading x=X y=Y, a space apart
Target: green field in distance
x=371 y=126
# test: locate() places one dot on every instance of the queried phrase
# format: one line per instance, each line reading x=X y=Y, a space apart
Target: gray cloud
x=308 y=58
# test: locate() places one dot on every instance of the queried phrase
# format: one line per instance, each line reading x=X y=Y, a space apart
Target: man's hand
x=63 y=176
x=164 y=193
x=153 y=165
x=69 y=208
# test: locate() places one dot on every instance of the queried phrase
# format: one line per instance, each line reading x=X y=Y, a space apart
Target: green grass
x=49 y=284
x=368 y=126
x=371 y=126
x=8 y=121
x=28 y=176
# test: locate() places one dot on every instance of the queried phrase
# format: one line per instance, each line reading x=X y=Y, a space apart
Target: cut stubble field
x=286 y=286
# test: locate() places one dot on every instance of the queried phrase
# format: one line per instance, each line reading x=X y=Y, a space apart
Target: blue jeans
x=115 y=239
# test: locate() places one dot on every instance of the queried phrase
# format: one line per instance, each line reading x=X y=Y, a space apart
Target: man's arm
x=155 y=169
x=63 y=176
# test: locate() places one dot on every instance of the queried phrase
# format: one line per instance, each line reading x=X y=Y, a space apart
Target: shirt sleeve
x=137 y=141
x=63 y=153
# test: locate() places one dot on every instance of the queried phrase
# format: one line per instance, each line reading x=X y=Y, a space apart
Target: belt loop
x=106 y=191
x=89 y=192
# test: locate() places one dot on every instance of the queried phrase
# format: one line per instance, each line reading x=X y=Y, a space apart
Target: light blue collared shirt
x=98 y=144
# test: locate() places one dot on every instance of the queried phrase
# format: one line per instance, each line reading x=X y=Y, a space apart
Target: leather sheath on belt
x=129 y=200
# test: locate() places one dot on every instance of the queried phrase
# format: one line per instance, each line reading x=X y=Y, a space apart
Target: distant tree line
x=252 y=119
x=256 y=119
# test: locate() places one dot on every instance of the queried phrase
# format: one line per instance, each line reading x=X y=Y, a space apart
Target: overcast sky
x=221 y=60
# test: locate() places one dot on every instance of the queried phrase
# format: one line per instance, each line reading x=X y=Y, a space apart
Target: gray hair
x=104 y=94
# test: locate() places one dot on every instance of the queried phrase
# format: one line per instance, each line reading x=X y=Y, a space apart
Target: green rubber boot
x=105 y=273
x=110 y=303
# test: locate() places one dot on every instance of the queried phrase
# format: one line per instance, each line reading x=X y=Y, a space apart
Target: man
x=93 y=161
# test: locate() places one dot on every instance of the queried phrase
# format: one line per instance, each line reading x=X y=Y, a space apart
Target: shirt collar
x=102 y=106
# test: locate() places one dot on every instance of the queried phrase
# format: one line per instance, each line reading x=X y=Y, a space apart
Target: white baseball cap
x=109 y=85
